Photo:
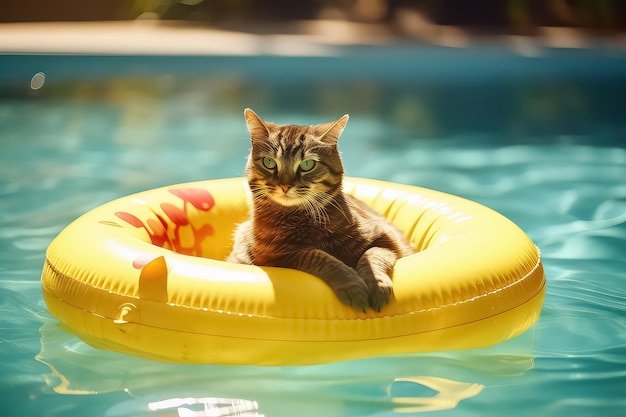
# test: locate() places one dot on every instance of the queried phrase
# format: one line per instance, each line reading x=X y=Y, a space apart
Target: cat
x=302 y=219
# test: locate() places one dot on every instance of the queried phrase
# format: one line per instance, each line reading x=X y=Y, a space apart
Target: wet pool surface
x=540 y=139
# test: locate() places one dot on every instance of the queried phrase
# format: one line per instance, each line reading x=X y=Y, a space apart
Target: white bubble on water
x=37 y=81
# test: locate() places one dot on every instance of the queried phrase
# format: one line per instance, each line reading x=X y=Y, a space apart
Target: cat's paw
x=354 y=294
x=380 y=293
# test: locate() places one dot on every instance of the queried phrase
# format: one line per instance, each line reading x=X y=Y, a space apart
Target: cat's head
x=294 y=165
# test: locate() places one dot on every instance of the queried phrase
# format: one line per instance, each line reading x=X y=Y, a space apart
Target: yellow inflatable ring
x=144 y=275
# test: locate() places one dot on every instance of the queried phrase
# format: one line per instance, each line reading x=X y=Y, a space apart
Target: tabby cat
x=301 y=218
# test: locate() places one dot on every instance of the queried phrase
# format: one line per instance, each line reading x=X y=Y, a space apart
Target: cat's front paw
x=380 y=294
x=354 y=294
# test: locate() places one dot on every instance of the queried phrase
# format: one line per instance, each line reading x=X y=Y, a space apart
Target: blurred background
x=402 y=17
x=516 y=69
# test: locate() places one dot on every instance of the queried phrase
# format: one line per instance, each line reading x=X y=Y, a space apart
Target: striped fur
x=300 y=217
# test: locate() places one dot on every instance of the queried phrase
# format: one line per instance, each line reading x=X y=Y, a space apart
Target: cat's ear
x=331 y=131
x=256 y=126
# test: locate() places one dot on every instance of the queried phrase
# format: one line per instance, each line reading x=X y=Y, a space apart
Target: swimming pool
x=541 y=139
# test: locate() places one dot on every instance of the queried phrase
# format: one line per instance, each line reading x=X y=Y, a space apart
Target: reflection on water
x=449 y=394
x=210 y=407
x=381 y=384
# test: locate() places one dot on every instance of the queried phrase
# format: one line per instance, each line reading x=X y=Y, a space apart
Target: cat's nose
x=285 y=188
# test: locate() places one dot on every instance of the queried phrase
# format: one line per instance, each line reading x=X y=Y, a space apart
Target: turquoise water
x=541 y=139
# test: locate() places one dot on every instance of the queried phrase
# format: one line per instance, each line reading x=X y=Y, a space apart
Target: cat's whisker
x=328 y=199
x=316 y=205
x=320 y=210
x=324 y=213
x=259 y=191
x=315 y=211
x=244 y=206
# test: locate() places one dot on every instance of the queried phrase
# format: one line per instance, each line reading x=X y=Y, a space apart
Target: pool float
x=145 y=275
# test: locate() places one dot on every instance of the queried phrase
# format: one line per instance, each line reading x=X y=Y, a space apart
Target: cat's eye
x=269 y=163
x=307 y=165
